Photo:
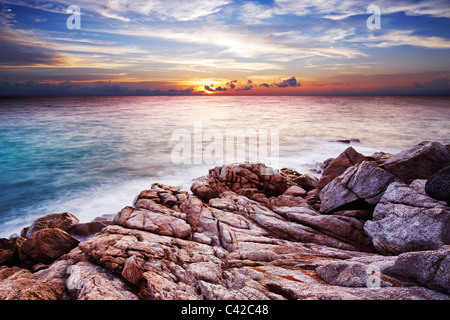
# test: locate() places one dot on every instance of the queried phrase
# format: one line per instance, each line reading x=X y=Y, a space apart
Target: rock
x=337 y=167
x=313 y=197
x=203 y=190
x=92 y=282
x=304 y=224
x=148 y=194
x=289 y=174
x=163 y=224
x=82 y=231
x=406 y=220
x=336 y=195
x=306 y=181
x=240 y=176
x=359 y=214
x=295 y=191
x=348 y=141
x=105 y=217
x=357 y=272
x=438 y=185
x=379 y=157
x=56 y=220
x=7 y=247
x=412 y=271
x=364 y=183
x=419 y=162
x=425 y=268
x=286 y=201
x=21 y=285
x=247 y=234
x=46 y=245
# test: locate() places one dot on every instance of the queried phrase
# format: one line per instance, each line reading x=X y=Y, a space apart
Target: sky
x=224 y=47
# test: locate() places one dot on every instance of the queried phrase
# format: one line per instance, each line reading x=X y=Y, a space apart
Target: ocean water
x=92 y=155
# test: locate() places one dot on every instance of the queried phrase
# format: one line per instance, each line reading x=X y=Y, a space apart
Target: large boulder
x=362 y=184
x=46 y=245
x=346 y=159
x=61 y=221
x=438 y=185
x=7 y=250
x=407 y=220
x=427 y=268
x=419 y=162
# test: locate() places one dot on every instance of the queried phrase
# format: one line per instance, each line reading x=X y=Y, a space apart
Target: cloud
x=128 y=10
x=342 y=9
x=403 y=37
x=251 y=13
x=291 y=82
x=434 y=87
x=18 y=50
x=67 y=88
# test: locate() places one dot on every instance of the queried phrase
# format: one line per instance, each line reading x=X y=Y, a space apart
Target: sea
x=91 y=156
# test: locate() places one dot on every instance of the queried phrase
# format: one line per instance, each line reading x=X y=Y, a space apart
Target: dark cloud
x=264 y=85
x=218 y=89
x=291 y=82
x=208 y=88
x=247 y=86
x=67 y=88
x=435 y=87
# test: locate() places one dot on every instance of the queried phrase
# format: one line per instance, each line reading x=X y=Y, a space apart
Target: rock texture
x=361 y=184
x=419 y=162
x=438 y=186
x=406 y=220
x=346 y=159
x=246 y=232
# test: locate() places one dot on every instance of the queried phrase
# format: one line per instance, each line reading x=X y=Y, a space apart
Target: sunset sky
x=177 y=47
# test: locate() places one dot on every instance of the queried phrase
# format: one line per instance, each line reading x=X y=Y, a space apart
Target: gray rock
x=363 y=183
x=419 y=162
x=405 y=220
x=427 y=268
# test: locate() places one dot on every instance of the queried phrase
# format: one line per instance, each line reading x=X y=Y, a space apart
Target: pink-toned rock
x=46 y=245
x=61 y=221
x=163 y=224
x=295 y=191
x=346 y=159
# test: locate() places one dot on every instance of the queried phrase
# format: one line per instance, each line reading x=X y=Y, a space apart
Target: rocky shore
x=372 y=227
